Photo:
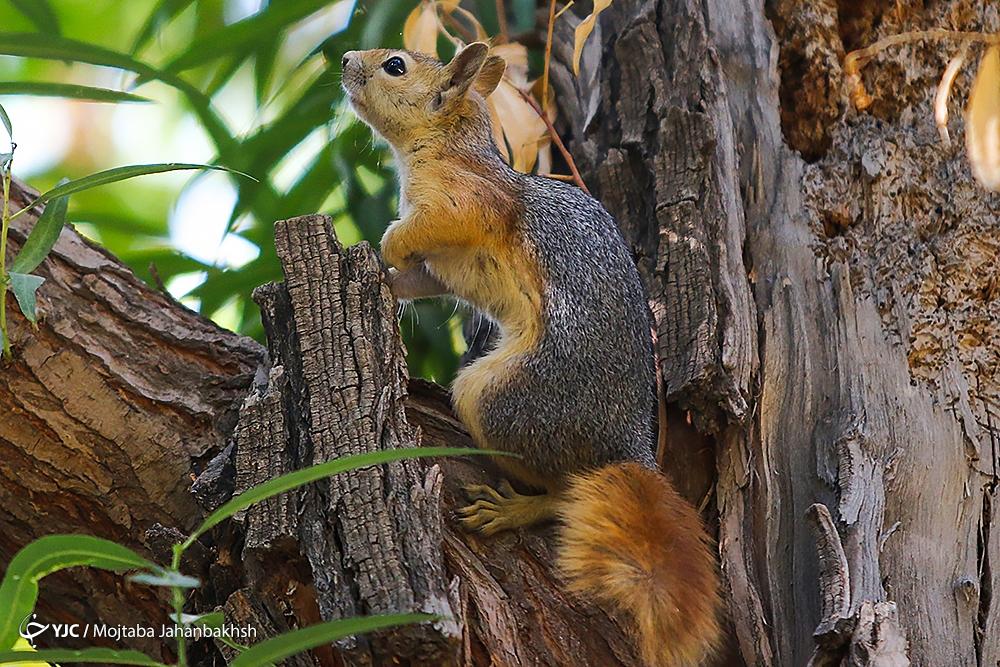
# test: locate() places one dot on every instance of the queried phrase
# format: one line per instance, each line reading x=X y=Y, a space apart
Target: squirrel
x=570 y=385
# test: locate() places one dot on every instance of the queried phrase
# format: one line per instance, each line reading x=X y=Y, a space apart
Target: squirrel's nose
x=346 y=60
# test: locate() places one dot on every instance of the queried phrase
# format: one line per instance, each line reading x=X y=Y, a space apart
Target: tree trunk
x=825 y=289
x=824 y=284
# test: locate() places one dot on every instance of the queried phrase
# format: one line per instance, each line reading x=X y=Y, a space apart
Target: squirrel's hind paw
x=504 y=509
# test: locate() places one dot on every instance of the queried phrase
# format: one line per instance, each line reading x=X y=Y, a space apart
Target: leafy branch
x=43 y=236
x=52 y=553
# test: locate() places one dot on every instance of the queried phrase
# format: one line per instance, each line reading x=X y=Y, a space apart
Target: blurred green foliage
x=251 y=76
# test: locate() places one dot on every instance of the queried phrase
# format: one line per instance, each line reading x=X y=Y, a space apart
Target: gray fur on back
x=589 y=387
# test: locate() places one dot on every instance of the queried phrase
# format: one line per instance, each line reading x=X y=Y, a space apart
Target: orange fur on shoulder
x=630 y=539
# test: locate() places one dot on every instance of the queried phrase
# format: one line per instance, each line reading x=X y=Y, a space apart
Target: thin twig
x=857 y=59
x=563 y=10
x=556 y=139
x=5 y=215
x=502 y=19
x=663 y=424
x=548 y=56
x=157 y=279
x=861 y=56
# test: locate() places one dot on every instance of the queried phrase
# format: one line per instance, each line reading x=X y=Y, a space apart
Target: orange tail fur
x=628 y=538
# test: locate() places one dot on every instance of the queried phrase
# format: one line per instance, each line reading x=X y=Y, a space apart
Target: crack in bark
x=985 y=571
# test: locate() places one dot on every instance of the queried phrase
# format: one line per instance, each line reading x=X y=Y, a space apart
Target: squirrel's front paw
x=394 y=252
x=415 y=283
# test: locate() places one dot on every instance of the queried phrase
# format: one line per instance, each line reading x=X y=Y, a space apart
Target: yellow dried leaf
x=545 y=156
x=944 y=92
x=516 y=57
x=583 y=32
x=420 y=32
x=515 y=121
x=982 y=121
x=517 y=125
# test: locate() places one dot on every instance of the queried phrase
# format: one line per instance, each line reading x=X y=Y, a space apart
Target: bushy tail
x=628 y=538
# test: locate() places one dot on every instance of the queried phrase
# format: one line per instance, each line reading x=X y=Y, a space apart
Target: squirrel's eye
x=394 y=66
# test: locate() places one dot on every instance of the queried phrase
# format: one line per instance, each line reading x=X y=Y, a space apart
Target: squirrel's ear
x=489 y=75
x=462 y=70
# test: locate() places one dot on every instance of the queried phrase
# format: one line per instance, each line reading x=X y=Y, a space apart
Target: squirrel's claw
x=485 y=521
x=484 y=491
x=476 y=507
x=504 y=509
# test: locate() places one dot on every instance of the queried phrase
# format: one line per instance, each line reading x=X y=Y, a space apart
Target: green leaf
x=33 y=45
x=290 y=643
x=380 y=27
x=298 y=478
x=5 y=120
x=165 y=578
x=263 y=69
x=212 y=619
x=46 y=555
x=120 y=174
x=116 y=220
x=260 y=27
x=43 y=236
x=50 y=47
x=40 y=13
x=269 y=144
x=24 y=286
x=524 y=15
x=49 y=89
x=220 y=286
x=104 y=656
x=165 y=11
x=224 y=73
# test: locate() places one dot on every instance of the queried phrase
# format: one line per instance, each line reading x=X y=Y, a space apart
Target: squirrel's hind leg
x=500 y=509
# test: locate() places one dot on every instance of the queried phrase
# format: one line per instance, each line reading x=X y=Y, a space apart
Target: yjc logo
x=29 y=629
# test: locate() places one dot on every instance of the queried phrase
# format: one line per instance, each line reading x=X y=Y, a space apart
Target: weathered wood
x=372 y=538
x=869 y=352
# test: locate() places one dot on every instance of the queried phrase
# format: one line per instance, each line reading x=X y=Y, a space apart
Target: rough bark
x=106 y=411
x=721 y=139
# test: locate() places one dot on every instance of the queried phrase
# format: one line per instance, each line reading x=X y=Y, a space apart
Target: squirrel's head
x=407 y=96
